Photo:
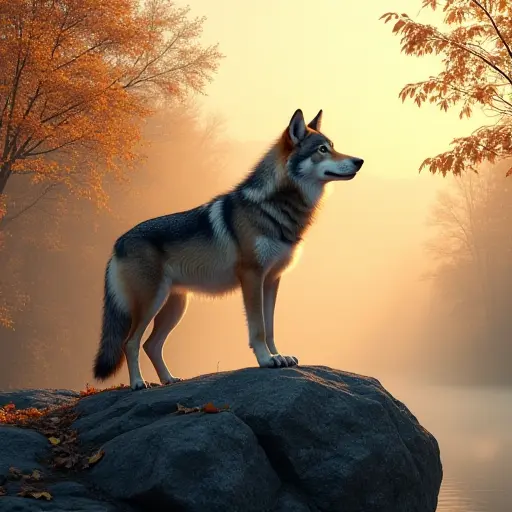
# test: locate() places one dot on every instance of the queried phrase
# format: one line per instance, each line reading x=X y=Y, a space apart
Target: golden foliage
x=476 y=50
x=11 y=416
x=55 y=423
x=76 y=78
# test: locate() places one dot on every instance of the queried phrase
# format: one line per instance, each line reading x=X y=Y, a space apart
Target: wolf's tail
x=115 y=328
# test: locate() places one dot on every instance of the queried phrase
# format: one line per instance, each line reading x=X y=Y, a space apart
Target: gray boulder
x=38 y=398
x=304 y=439
x=22 y=449
x=294 y=439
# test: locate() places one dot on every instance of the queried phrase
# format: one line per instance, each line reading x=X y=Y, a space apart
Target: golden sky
x=355 y=300
x=331 y=54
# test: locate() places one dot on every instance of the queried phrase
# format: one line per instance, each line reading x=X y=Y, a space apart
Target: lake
x=474 y=429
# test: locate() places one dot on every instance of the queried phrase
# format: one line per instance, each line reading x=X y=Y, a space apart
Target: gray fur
x=245 y=238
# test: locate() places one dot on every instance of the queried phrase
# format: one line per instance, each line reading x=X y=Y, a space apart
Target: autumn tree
x=76 y=78
x=475 y=43
x=56 y=329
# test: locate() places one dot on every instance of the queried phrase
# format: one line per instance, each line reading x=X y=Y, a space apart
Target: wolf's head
x=311 y=156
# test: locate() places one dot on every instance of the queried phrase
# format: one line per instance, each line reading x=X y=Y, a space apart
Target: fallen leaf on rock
x=3 y=492
x=36 y=475
x=209 y=408
x=10 y=415
x=96 y=457
x=15 y=473
x=32 y=492
x=54 y=440
x=43 y=494
x=181 y=409
x=89 y=390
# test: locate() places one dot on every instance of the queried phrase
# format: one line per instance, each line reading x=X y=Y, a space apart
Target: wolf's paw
x=171 y=380
x=291 y=360
x=138 y=384
x=279 y=361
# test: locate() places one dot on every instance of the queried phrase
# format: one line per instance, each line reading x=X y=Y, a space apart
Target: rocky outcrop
x=294 y=439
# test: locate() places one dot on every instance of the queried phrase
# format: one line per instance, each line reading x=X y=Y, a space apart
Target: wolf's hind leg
x=145 y=311
x=270 y=289
x=165 y=321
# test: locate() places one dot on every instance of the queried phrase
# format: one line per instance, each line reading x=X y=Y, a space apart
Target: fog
x=381 y=288
x=367 y=294
x=355 y=300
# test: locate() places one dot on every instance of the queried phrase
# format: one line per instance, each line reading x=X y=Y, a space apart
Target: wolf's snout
x=358 y=163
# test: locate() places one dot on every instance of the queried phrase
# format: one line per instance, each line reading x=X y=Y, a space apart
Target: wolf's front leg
x=270 y=289
x=251 y=281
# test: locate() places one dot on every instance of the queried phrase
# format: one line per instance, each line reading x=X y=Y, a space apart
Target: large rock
x=26 y=451
x=38 y=398
x=67 y=497
x=22 y=449
x=295 y=439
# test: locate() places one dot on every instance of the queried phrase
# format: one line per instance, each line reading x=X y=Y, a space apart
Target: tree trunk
x=5 y=173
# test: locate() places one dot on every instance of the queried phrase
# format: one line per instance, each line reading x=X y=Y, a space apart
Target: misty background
x=404 y=278
x=404 y=275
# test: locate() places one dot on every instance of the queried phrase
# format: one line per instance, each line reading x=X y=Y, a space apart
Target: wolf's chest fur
x=218 y=272
x=242 y=230
x=274 y=255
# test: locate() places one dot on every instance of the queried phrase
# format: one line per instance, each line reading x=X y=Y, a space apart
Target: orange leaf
x=96 y=457
x=398 y=25
x=209 y=408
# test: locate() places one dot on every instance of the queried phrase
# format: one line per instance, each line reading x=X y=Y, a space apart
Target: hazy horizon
x=359 y=290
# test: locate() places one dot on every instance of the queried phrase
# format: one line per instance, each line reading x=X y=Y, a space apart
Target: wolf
x=243 y=239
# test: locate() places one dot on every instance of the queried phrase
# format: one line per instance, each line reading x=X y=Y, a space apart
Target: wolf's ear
x=316 y=123
x=297 y=127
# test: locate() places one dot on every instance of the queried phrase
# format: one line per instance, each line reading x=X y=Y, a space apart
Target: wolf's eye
x=323 y=149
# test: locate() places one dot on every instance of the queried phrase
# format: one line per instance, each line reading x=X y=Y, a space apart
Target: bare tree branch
x=9 y=218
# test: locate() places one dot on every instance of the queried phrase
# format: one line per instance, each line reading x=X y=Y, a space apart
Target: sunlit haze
x=404 y=276
x=357 y=298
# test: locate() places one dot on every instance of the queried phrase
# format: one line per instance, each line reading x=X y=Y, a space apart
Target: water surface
x=474 y=429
